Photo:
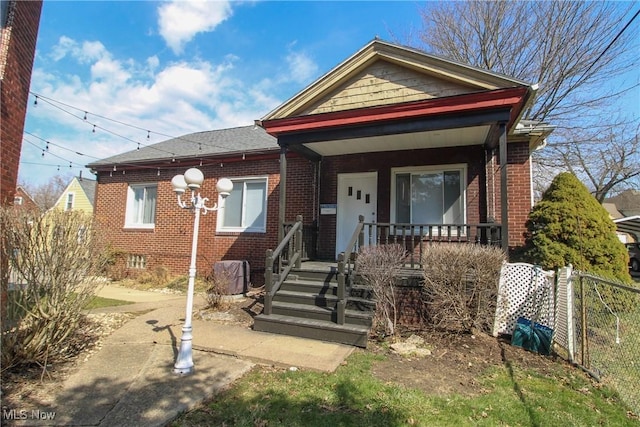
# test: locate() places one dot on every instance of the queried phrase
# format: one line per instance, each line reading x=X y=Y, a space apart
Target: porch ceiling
x=473 y=135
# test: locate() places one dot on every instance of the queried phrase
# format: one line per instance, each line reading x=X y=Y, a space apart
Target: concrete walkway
x=130 y=381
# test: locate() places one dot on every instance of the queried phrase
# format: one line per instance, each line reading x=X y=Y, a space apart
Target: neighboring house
x=391 y=133
x=627 y=202
x=23 y=201
x=79 y=195
x=627 y=220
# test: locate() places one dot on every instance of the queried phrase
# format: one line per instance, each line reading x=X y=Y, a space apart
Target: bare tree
x=573 y=50
x=46 y=195
x=53 y=260
x=607 y=160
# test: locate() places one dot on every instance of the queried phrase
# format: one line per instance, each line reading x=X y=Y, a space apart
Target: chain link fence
x=595 y=323
x=604 y=332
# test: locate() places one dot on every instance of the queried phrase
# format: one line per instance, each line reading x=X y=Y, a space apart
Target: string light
x=57 y=104
x=84 y=115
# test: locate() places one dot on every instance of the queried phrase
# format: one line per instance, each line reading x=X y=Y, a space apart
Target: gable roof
x=22 y=192
x=246 y=139
x=421 y=69
x=627 y=202
x=89 y=188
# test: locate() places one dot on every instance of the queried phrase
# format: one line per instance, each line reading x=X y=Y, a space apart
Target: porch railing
x=281 y=260
x=345 y=269
x=414 y=237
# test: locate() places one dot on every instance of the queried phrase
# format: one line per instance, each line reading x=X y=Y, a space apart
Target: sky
x=112 y=76
x=144 y=71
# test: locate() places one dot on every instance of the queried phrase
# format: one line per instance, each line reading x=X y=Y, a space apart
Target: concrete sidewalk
x=130 y=381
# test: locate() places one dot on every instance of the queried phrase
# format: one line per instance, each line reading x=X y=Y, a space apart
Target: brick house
x=22 y=200
x=20 y=22
x=390 y=134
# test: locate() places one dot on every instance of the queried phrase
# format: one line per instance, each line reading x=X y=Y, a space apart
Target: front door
x=357 y=195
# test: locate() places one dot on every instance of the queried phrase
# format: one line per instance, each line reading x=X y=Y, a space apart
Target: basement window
x=137 y=261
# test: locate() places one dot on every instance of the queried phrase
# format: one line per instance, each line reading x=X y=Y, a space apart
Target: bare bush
x=461 y=285
x=379 y=266
x=218 y=284
x=53 y=261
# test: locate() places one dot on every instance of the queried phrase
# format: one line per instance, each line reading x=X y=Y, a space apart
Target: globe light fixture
x=192 y=180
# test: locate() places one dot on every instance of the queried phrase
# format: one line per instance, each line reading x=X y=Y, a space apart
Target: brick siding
x=17 y=50
x=383 y=163
x=169 y=243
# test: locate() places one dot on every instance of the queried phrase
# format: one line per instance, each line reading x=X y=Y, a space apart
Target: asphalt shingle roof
x=89 y=188
x=200 y=144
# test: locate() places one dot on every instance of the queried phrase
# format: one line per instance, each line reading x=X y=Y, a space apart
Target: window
x=141 y=206
x=136 y=261
x=17 y=200
x=429 y=195
x=69 y=205
x=245 y=209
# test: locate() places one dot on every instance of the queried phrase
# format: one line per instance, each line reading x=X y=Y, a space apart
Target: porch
x=326 y=300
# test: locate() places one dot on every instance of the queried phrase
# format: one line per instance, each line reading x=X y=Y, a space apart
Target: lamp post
x=193 y=179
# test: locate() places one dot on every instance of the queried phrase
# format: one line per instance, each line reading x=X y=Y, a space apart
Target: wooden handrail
x=275 y=260
x=345 y=268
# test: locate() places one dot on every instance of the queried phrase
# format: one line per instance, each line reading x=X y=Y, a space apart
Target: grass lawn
x=353 y=396
x=100 y=302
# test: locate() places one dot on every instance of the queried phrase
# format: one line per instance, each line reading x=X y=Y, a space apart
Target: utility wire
x=87 y=113
x=610 y=44
x=97 y=126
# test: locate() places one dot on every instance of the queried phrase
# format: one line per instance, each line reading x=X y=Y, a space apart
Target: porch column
x=283 y=191
x=504 y=213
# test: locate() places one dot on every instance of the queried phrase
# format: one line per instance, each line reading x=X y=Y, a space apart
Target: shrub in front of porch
x=461 y=285
x=379 y=266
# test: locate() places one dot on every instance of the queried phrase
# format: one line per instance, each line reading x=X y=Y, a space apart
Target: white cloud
x=168 y=99
x=179 y=21
x=301 y=67
x=153 y=62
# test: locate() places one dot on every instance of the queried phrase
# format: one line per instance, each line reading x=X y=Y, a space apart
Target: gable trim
x=500 y=98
